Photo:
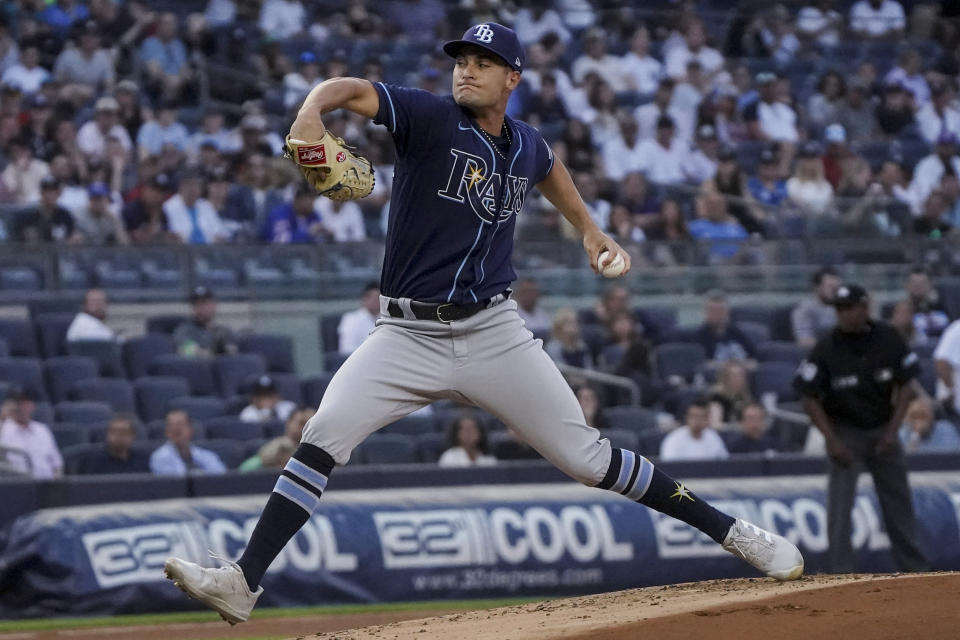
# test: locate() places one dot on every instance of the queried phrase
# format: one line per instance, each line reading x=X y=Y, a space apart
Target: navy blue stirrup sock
x=295 y=496
x=635 y=477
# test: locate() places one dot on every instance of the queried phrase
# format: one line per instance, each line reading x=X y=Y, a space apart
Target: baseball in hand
x=612 y=269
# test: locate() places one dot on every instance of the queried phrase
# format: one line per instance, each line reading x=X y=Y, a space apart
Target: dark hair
x=919 y=270
x=750 y=405
x=821 y=273
x=700 y=403
x=371 y=285
x=822 y=83
x=453 y=432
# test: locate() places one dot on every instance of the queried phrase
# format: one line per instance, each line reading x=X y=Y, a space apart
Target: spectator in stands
x=85 y=70
x=192 y=218
x=596 y=60
x=156 y=134
x=597 y=207
x=815 y=314
x=253 y=136
x=62 y=14
x=282 y=19
x=277 y=452
x=909 y=74
x=89 y=323
x=49 y=222
x=295 y=222
x=730 y=394
x=821 y=23
x=27 y=75
x=809 y=193
x=623 y=153
x=356 y=325
x=702 y=160
x=648 y=115
x=639 y=199
x=341 y=221
x=695 y=440
x=920 y=433
x=753 y=436
x=669 y=226
x=604 y=123
x=526 y=293
x=92 y=136
x=721 y=339
x=201 y=336
x=297 y=84
x=929 y=172
x=566 y=344
x=641 y=71
x=9 y=51
x=771 y=117
x=211 y=130
x=467 y=445
x=22 y=177
x=714 y=223
x=933 y=222
x=615 y=301
x=731 y=182
x=164 y=58
x=856 y=114
x=536 y=20
x=127 y=95
x=824 y=106
x=930 y=317
x=117 y=454
x=178 y=457
x=693 y=47
x=939 y=115
x=545 y=108
x=266 y=403
x=901 y=318
x=98 y=222
x=836 y=153
x=665 y=156
x=896 y=111
x=766 y=187
x=30 y=443
x=877 y=20
x=774 y=33
x=623 y=228
x=39 y=131
x=589 y=401
x=143 y=216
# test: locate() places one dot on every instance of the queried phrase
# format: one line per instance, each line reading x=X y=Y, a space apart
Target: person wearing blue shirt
x=178 y=457
x=61 y=15
x=154 y=135
x=766 y=187
x=295 y=222
x=920 y=433
x=726 y=235
x=165 y=58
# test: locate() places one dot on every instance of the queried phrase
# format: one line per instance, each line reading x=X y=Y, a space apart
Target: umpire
x=856 y=385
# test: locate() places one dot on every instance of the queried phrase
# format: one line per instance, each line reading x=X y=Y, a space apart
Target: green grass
x=259 y=614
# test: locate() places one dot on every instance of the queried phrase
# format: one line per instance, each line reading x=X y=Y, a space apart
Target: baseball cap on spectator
x=264 y=386
x=495 y=38
x=307 y=57
x=49 y=182
x=849 y=295
x=766 y=77
x=835 y=133
x=107 y=103
x=726 y=153
x=126 y=86
x=707 y=131
x=201 y=293
x=98 y=190
x=210 y=143
x=161 y=182
x=810 y=149
x=217 y=174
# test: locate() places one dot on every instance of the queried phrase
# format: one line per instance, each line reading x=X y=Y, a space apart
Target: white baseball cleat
x=772 y=554
x=223 y=589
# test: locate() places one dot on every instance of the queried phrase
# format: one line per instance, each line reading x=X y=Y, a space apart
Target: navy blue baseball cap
x=496 y=39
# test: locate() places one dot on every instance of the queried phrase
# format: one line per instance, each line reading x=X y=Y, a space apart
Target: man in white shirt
x=281 y=19
x=92 y=136
x=89 y=323
x=695 y=440
x=622 y=153
x=27 y=76
x=938 y=115
x=342 y=221
x=771 y=117
x=641 y=71
x=191 y=217
x=663 y=104
x=929 y=171
x=88 y=67
x=665 y=156
x=356 y=325
x=820 y=23
x=31 y=446
x=946 y=359
x=693 y=48
x=701 y=163
x=165 y=130
x=266 y=403
x=595 y=59
x=297 y=84
x=531 y=24
x=909 y=73
x=877 y=19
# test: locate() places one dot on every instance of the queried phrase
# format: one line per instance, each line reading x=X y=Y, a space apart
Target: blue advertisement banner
x=457 y=543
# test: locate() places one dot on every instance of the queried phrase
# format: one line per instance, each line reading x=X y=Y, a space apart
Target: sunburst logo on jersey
x=475 y=175
x=681 y=492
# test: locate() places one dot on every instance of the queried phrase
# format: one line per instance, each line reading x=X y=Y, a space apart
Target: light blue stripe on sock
x=312 y=476
x=297 y=494
x=627 y=460
x=643 y=480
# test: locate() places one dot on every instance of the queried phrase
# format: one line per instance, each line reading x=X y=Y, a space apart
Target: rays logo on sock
x=681 y=493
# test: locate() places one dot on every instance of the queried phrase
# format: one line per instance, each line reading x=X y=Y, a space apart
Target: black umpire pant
x=889 y=471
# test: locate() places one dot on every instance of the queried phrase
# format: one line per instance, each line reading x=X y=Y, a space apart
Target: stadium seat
x=656 y=320
x=631 y=418
x=775 y=377
x=140 y=351
x=333 y=360
x=52 y=332
x=329 y=338
x=85 y=412
x=62 y=372
x=74 y=454
x=412 y=425
x=105 y=352
x=313 y=388
x=233 y=428
x=276 y=350
x=198 y=373
x=757 y=333
x=19 y=336
x=595 y=336
x=679 y=359
x=232 y=371
x=230 y=451
x=59 y=304
x=165 y=323
x=648 y=442
x=25 y=373
x=155 y=430
x=430 y=446
x=153 y=394
x=621 y=438
x=113 y=391
x=779 y=351
x=387 y=448
x=199 y=408
x=20 y=279
x=68 y=435
x=928 y=376
x=272 y=428
x=43 y=412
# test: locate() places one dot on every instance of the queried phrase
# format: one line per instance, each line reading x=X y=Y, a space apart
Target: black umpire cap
x=493 y=37
x=201 y=293
x=850 y=295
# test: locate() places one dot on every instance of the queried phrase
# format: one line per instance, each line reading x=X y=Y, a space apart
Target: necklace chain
x=505 y=132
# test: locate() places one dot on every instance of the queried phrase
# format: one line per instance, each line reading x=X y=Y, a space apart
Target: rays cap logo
x=497 y=39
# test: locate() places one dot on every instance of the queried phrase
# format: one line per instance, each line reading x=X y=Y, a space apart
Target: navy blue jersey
x=454 y=202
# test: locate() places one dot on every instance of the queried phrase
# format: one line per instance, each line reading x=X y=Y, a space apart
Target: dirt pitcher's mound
x=852 y=607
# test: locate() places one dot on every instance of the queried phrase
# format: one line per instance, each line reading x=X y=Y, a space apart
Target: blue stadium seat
x=648 y=443
x=68 y=435
x=105 y=352
x=276 y=350
x=757 y=332
x=198 y=373
x=928 y=376
x=25 y=373
x=313 y=388
x=59 y=304
x=631 y=418
x=656 y=319
x=138 y=352
x=333 y=360
x=165 y=323
x=430 y=446
x=232 y=371
x=62 y=372
x=155 y=430
x=43 y=412
x=113 y=391
x=233 y=428
x=621 y=438
x=679 y=359
x=52 y=332
x=230 y=451
x=20 y=279
x=775 y=377
x=19 y=336
x=154 y=393
x=85 y=412
x=413 y=425
x=329 y=338
x=387 y=448
x=780 y=351
x=4 y=349
x=74 y=454
x=199 y=408
x=272 y=428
